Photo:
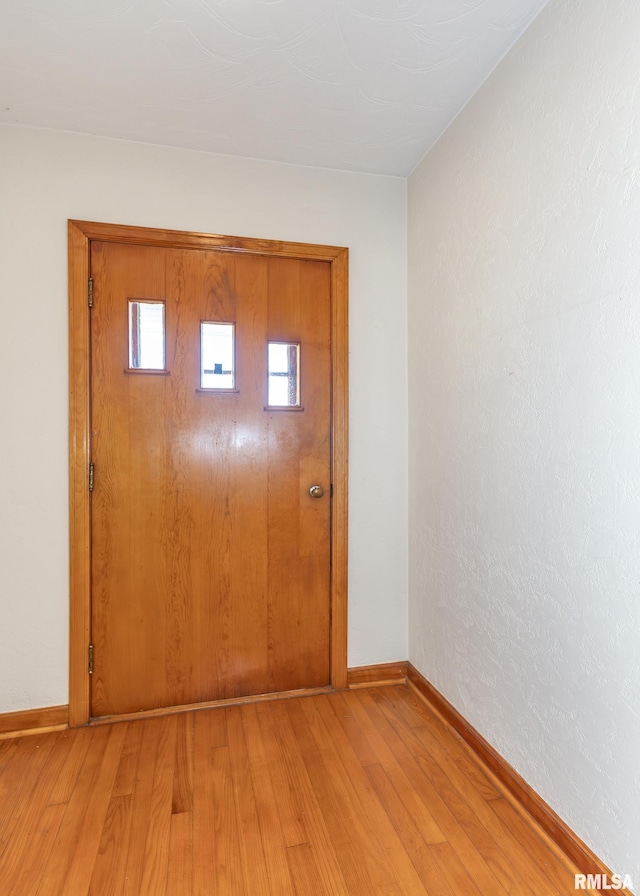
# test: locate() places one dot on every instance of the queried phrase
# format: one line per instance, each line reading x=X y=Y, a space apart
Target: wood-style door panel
x=210 y=569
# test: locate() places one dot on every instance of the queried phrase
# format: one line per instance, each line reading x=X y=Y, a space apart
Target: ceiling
x=362 y=85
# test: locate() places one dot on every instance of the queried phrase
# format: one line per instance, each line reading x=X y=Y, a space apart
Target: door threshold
x=209 y=704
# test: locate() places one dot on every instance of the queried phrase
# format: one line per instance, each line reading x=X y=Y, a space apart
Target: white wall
x=524 y=409
x=46 y=178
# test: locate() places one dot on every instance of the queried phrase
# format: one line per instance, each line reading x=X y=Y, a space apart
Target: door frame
x=81 y=234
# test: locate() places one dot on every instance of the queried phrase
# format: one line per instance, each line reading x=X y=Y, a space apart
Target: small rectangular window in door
x=217 y=356
x=283 y=364
x=146 y=335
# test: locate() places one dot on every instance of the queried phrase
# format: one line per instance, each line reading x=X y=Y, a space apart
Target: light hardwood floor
x=357 y=792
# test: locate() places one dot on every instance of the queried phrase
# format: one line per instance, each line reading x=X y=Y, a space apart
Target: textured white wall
x=46 y=178
x=524 y=409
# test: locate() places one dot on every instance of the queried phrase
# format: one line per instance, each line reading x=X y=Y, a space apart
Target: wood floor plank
x=36 y=856
x=343 y=707
x=128 y=766
x=203 y=809
x=474 y=814
x=466 y=761
x=435 y=737
x=289 y=810
x=491 y=837
x=397 y=774
x=358 y=793
x=252 y=857
x=216 y=857
x=304 y=869
x=411 y=836
x=411 y=753
x=451 y=867
x=410 y=707
x=18 y=784
x=330 y=878
x=141 y=806
x=76 y=847
x=110 y=866
x=31 y=807
x=228 y=875
x=110 y=869
x=358 y=865
x=471 y=811
x=533 y=856
x=409 y=790
x=273 y=840
x=354 y=791
x=8 y=749
x=156 y=852
x=180 y=876
x=180 y=871
x=183 y=773
x=18 y=781
x=77 y=744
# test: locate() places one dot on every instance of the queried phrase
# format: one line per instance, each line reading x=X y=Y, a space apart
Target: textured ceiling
x=364 y=85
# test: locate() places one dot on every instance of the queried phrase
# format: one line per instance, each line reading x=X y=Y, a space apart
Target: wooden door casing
x=258 y=256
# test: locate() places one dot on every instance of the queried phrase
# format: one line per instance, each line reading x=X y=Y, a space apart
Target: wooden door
x=210 y=559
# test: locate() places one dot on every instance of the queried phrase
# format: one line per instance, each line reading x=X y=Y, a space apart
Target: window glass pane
x=284 y=375
x=146 y=335
x=217 y=363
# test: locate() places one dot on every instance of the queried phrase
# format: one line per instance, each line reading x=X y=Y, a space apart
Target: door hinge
x=90 y=292
x=90 y=659
x=90 y=477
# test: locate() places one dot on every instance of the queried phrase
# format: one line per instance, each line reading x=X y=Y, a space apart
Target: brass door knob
x=316 y=491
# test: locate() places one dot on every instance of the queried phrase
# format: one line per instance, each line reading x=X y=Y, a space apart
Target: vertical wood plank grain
x=141 y=807
x=110 y=867
x=40 y=843
x=74 y=854
x=30 y=804
x=180 y=871
x=330 y=877
x=252 y=855
x=210 y=740
x=268 y=814
x=156 y=851
x=362 y=862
